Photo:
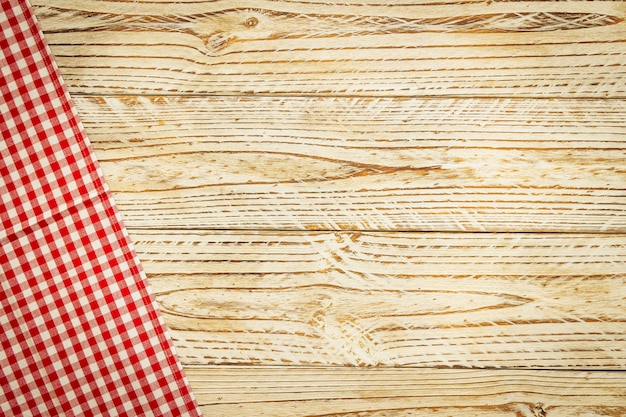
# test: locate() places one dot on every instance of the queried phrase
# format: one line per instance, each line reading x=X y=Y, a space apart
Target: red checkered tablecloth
x=80 y=332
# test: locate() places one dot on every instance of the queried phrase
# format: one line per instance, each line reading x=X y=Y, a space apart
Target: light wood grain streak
x=384 y=164
x=546 y=48
x=353 y=392
x=402 y=299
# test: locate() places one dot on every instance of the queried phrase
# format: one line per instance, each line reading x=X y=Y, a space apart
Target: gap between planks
x=248 y=96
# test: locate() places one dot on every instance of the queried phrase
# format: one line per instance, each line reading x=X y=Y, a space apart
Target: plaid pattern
x=80 y=333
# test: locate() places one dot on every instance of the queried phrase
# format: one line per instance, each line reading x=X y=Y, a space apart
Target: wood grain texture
x=357 y=392
x=363 y=164
x=393 y=299
x=451 y=47
x=282 y=163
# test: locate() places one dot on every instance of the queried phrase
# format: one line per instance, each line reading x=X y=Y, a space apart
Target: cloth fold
x=80 y=332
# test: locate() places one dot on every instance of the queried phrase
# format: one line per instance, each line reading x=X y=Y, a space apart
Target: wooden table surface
x=373 y=208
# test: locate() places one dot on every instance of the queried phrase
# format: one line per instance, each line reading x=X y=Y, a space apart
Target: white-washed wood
x=396 y=299
x=363 y=163
x=458 y=47
x=365 y=392
x=404 y=299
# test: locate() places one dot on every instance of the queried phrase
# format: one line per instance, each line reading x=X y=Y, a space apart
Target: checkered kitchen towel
x=80 y=333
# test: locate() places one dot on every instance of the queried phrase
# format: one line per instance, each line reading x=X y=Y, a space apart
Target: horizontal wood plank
x=363 y=164
x=358 y=392
x=452 y=47
x=393 y=299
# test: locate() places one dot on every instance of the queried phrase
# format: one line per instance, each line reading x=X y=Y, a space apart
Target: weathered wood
x=369 y=156
x=457 y=47
x=372 y=164
x=401 y=299
x=358 y=392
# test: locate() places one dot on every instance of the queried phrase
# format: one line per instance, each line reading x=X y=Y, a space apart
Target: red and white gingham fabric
x=80 y=333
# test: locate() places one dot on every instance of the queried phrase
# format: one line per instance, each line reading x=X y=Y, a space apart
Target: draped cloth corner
x=80 y=331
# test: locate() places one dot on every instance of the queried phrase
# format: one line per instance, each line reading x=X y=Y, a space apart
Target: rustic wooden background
x=374 y=208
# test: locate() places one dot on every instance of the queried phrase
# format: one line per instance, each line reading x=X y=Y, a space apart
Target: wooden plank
x=362 y=392
x=441 y=47
x=363 y=163
x=393 y=299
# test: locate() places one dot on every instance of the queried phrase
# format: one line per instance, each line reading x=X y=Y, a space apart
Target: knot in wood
x=217 y=41
x=251 y=22
x=539 y=410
